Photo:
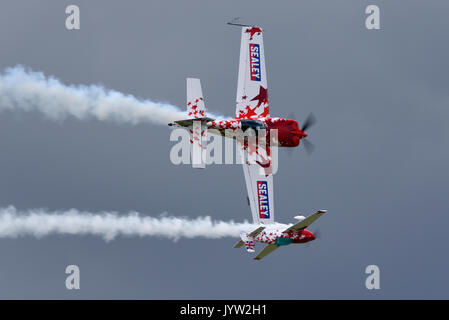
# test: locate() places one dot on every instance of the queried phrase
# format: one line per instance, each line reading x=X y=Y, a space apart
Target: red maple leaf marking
x=252 y=31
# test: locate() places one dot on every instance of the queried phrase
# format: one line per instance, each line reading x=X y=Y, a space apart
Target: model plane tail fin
x=196 y=122
x=195 y=102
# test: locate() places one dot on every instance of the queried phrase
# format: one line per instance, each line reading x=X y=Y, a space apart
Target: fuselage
x=274 y=234
x=288 y=132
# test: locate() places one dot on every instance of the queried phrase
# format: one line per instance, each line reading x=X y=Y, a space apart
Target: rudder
x=195 y=100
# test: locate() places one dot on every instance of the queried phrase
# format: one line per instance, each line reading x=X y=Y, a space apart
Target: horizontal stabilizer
x=238 y=244
x=252 y=235
x=256 y=232
x=189 y=122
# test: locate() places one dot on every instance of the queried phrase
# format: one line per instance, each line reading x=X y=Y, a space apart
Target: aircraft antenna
x=233 y=22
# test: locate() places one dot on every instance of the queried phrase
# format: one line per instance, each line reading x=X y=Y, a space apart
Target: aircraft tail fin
x=195 y=101
x=196 y=121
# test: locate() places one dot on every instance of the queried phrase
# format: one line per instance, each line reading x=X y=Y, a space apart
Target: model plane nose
x=299 y=133
x=295 y=137
x=309 y=235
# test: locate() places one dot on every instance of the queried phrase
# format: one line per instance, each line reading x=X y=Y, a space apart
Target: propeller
x=308 y=146
x=308 y=123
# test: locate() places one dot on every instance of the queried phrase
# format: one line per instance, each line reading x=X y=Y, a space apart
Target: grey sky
x=380 y=164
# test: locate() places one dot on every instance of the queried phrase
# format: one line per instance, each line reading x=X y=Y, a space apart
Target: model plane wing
x=266 y=251
x=260 y=194
x=306 y=222
x=257 y=168
x=252 y=95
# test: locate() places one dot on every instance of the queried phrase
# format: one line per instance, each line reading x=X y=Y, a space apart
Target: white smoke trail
x=40 y=223
x=26 y=90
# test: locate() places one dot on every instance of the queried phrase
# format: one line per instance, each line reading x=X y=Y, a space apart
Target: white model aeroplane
x=253 y=112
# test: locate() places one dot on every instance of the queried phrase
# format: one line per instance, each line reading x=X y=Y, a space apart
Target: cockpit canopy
x=252 y=124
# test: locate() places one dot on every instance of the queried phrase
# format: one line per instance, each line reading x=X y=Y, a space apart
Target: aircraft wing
x=266 y=251
x=260 y=193
x=252 y=95
x=257 y=168
x=306 y=222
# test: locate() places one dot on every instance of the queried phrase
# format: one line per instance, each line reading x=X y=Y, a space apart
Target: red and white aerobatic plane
x=253 y=112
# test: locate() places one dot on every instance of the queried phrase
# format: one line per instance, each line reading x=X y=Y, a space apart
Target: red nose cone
x=295 y=140
x=309 y=235
x=299 y=133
